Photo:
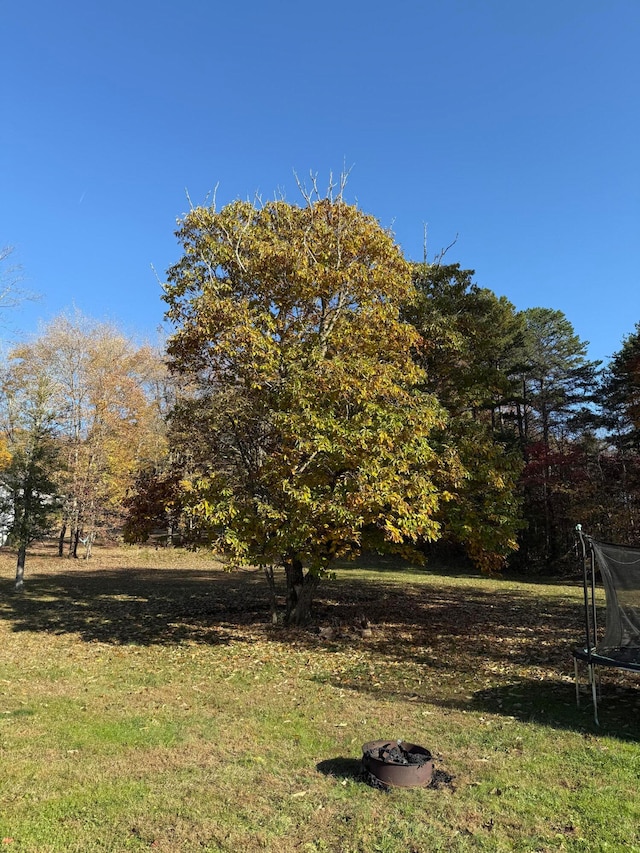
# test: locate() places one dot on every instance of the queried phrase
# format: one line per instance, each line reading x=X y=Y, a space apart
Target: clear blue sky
x=511 y=123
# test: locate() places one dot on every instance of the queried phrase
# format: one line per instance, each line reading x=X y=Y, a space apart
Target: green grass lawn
x=147 y=704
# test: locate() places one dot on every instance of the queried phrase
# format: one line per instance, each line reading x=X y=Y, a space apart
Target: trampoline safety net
x=620 y=571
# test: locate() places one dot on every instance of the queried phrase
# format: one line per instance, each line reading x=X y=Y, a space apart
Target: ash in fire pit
x=399 y=754
x=397 y=763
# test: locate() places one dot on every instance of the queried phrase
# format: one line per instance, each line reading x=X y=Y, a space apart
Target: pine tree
x=28 y=482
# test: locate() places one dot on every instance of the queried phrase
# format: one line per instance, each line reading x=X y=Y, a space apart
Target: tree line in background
x=321 y=395
x=82 y=410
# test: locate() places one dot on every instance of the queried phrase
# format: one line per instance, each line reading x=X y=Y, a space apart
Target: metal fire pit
x=375 y=760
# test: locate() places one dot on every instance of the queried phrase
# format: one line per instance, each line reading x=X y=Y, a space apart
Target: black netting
x=620 y=570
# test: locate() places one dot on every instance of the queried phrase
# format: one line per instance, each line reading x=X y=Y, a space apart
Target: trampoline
x=619 y=645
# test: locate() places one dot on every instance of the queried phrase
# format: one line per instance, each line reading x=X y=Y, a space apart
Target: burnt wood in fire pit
x=397 y=763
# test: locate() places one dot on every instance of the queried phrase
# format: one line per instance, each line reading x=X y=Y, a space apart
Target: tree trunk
x=302 y=611
x=88 y=544
x=63 y=533
x=300 y=589
x=268 y=572
x=74 y=543
x=22 y=556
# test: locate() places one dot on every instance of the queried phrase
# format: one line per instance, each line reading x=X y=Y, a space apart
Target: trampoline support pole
x=594 y=692
x=575 y=673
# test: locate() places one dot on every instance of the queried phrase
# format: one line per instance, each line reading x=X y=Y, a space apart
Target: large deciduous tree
x=306 y=436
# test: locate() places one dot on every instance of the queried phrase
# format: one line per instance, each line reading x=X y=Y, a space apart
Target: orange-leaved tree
x=107 y=422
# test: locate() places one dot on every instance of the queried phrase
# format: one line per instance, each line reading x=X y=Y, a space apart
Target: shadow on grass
x=545 y=702
x=553 y=703
x=438 y=625
x=393 y=564
x=341 y=768
x=475 y=644
x=137 y=606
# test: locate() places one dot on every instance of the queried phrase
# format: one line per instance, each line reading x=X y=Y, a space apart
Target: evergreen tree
x=28 y=482
x=620 y=396
x=558 y=383
x=468 y=338
x=620 y=455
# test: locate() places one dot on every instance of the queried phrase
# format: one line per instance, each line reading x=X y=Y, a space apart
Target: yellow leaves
x=5 y=454
x=311 y=264
x=288 y=325
x=392 y=532
x=107 y=421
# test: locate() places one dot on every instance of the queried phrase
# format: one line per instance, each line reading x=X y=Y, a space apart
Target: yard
x=147 y=703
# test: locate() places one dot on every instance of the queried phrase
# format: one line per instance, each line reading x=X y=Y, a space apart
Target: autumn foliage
x=306 y=434
x=320 y=395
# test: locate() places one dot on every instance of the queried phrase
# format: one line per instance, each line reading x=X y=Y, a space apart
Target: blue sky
x=513 y=124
